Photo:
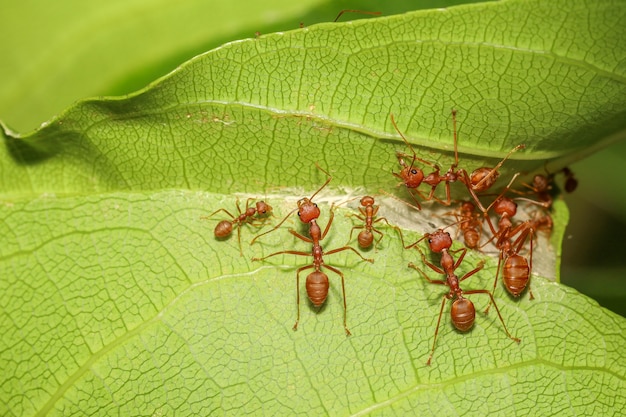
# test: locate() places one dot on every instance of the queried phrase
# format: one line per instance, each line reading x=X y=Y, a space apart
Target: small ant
x=481 y=179
x=317 y=284
x=571 y=183
x=368 y=212
x=462 y=312
x=470 y=224
x=225 y=227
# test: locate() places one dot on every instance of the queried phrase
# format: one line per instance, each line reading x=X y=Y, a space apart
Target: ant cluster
x=513 y=238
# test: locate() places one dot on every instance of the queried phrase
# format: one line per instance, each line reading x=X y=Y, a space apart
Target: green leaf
x=118 y=300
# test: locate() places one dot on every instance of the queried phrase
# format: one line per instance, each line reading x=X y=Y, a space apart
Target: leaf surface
x=118 y=300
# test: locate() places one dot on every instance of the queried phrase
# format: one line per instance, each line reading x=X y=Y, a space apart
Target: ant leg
x=328 y=179
x=396 y=228
x=495 y=169
x=480 y=266
x=330 y=221
x=217 y=211
x=352 y=232
x=530 y=266
x=460 y=259
x=275 y=227
x=343 y=291
x=515 y=339
x=283 y=252
x=432 y=351
x=351 y=249
x=495 y=281
x=295 y=326
x=432 y=281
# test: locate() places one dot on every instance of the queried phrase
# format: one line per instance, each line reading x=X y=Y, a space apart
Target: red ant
x=368 y=212
x=542 y=185
x=316 y=282
x=516 y=269
x=479 y=180
x=225 y=227
x=470 y=224
x=462 y=312
x=413 y=176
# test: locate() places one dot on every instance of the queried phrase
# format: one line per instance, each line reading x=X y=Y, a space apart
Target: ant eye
x=414 y=171
x=430 y=240
x=315 y=204
x=298 y=213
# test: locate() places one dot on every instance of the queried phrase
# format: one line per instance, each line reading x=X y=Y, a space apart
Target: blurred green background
x=54 y=53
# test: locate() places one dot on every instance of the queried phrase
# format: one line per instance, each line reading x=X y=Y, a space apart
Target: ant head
x=412 y=176
x=439 y=241
x=505 y=206
x=488 y=177
x=307 y=210
x=367 y=201
x=262 y=207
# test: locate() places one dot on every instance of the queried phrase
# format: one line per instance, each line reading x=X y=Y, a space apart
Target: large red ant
x=317 y=281
x=462 y=312
x=225 y=227
x=510 y=240
x=481 y=179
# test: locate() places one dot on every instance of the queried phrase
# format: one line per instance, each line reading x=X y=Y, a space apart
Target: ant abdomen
x=516 y=274
x=479 y=175
x=223 y=228
x=463 y=314
x=317 y=287
x=365 y=239
x=472 y=238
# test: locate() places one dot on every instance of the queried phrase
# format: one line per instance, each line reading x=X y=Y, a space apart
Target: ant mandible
x=462 y=312
x=224 y=228
x=317 y=284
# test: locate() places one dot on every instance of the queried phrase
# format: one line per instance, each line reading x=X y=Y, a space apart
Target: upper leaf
x=548 y=76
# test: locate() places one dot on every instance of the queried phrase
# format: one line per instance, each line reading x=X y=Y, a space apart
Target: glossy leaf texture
x=118 y=300
x=316 y=94
x=124 y=303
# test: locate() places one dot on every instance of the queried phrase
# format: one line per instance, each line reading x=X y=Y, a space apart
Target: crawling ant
x=481 y=179
x=462 y=312
x=225 y=227
x=368 y=211
x=470 y=224
x=510 y=240
x=516 y=269
x=317 y=281
x=412 y=176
